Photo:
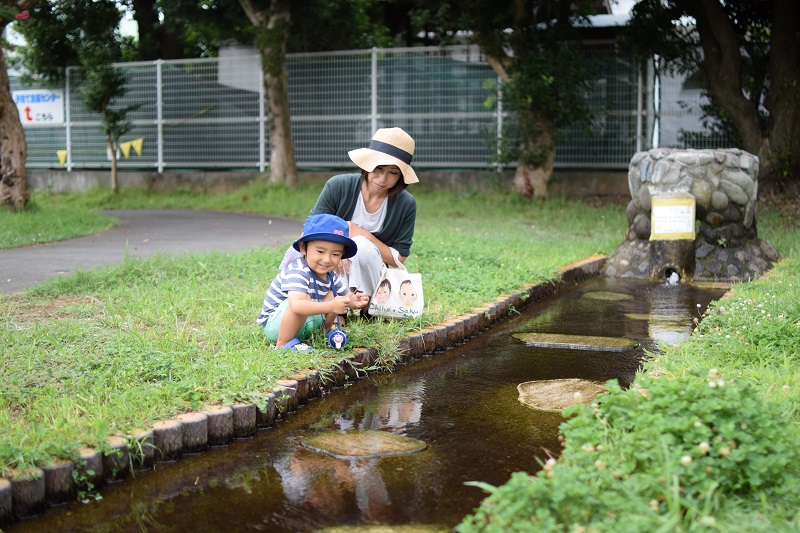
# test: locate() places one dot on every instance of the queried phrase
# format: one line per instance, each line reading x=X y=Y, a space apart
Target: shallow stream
x=462 y=403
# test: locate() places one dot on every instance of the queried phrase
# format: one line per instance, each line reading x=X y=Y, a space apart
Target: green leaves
x=667 y=450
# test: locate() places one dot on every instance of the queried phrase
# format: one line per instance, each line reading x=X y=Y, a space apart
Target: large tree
x=749 y=53
x=84 y=33
x=535 y=48
x=280 y=24
x=272 y=23
x=13 y=149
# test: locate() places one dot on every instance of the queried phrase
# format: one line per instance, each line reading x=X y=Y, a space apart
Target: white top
x=371 y=222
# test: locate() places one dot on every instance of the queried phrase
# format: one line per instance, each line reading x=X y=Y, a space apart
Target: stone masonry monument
x=692 y=215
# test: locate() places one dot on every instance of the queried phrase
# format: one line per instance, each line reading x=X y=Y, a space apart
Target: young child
x=308 y=293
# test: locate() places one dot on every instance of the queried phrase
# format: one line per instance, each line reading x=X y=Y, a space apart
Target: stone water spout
x=692 y=215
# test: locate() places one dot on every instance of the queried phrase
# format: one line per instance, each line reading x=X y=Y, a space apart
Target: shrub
x=662 y=454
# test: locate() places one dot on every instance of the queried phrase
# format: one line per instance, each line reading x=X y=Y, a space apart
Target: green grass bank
x=111 y=351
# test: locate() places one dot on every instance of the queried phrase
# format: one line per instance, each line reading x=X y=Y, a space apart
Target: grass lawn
x=111 y=351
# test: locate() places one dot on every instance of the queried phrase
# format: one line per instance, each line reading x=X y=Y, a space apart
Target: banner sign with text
x=40 y=106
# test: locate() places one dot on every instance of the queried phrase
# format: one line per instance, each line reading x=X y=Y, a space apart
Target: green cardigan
x=339 y=197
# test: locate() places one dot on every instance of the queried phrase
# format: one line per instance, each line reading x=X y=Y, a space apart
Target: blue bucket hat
x=327 y=228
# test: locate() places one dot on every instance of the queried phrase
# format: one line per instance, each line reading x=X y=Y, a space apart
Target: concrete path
x=143 y=233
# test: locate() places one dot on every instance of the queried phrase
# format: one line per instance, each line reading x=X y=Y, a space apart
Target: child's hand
x=359 y=300
x=340 y=304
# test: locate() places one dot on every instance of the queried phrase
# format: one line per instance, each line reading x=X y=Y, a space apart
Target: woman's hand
x=386 y=252
x=343 y=270
x=357 y=231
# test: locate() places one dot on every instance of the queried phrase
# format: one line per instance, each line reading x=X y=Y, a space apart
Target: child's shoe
x=297 y=346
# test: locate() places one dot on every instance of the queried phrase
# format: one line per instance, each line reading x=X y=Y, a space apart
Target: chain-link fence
x=211 y=113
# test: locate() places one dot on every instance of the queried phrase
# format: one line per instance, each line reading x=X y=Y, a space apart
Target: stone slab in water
x=556 y=394
x=367 y=444
x=711 y=284
x=658 y=318
x=608 y=296
x=577 y=342
x=414 y=528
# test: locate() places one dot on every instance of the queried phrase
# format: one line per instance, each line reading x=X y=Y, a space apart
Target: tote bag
x=399 y=293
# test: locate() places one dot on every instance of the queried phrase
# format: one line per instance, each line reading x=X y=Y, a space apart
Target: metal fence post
x=68 y=132
x=160 y=116
x=639 y=108
x=262 y=137
x=499 y=124
x=374 y=91
x=655 y=139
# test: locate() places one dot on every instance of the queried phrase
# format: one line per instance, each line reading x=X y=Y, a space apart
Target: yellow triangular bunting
x=137 y=145
x=126 y=148
x=62 y=156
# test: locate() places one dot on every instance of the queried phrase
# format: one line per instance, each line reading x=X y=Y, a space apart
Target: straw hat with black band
x=389 y=146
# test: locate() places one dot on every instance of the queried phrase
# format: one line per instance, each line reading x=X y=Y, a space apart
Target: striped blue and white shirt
x=297 y=276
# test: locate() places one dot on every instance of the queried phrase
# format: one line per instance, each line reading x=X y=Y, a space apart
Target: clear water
x=463 y=403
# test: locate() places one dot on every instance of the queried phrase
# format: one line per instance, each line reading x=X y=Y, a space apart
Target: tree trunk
x=530 y=181
x=778 y=147
x=533 y=172
x=113 y=153
x=273 y=30
x=13 y=148
x=782 y=154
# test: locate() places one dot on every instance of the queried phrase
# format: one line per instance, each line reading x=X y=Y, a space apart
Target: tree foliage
x=173 y=29
x=535 y=48
x=169 y=29
x=83 y=33
x=749 y=54
x=63 y=33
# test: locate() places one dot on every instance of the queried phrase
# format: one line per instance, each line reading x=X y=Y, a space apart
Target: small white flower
x=600 y=465
x=704 y=447
x=686 y=460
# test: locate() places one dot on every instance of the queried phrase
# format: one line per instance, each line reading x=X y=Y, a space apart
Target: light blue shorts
x=272 y=325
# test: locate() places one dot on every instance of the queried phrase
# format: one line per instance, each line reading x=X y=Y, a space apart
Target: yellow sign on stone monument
x=672 y=217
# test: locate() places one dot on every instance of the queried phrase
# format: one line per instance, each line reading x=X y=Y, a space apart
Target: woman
x=379 y=211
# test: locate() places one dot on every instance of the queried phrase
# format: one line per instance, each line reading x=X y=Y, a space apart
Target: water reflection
x=331 y=486
x=463 y=403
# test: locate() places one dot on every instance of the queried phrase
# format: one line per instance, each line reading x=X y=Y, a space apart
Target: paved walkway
x=143 y=233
